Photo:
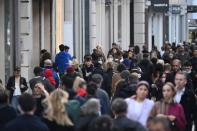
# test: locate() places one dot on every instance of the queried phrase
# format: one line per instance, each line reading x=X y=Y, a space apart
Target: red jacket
x=49 y=75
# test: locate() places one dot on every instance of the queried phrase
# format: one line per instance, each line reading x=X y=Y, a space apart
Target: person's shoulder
x=129 y=100
x=40 y=123
x=101 y=91
x=151 y=102
x=13 y=123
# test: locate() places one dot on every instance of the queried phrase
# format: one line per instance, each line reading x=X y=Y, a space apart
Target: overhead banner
x=161 y=6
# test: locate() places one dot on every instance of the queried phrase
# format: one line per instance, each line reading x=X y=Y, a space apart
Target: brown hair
x=171 y=85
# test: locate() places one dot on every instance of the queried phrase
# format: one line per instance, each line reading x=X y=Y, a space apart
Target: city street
x=98 y=65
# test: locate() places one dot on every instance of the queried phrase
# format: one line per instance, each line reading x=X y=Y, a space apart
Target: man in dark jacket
x=147 y=68
x=121 y=122
x=127 y=88
x=7 y=112
x=101 y=94
x=176 y=66
x=38 y=72
x=27 y=121
x=185 y=96
x=87 y=68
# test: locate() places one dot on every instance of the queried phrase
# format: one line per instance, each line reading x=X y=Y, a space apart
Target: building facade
x=31 y=25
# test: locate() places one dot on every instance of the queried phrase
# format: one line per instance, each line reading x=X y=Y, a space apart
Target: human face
x=180 y=81
x=114 y=50
x=163 y=78
x=142 y=92
x=176 y=66
x=37 y=91
x=195 y=53
x=17 y=73
x=88 y=63
x=167 y=92
x=157 y=127
x=130 y=54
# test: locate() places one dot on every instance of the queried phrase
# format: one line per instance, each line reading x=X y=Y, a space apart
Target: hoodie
x=49 y=75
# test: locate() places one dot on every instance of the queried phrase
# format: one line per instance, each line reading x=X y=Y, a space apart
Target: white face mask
x=139 y=75
x=110 y=59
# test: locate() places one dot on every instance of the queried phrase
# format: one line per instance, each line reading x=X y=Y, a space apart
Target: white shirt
x=139 y=111
x=178 y=95
x=17 y=91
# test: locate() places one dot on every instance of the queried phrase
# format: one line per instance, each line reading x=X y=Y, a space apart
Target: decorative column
x=93 y=25
x=2 y=41
x=59 y=24
x=139 y=22
x=26 y=39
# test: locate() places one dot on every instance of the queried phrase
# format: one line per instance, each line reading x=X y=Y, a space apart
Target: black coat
x=85 y=123
x=47 y=85
x=109 y=73
x=7 y=114
x=53 y=126
x=147 y=70
x=11 y=83
x=124 y=124
x=125 y=89
x=26 y=123
x=188 y=101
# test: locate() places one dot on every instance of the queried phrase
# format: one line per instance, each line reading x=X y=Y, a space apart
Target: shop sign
x=160 y=5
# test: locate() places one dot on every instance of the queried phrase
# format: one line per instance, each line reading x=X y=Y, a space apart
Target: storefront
x=157 y=23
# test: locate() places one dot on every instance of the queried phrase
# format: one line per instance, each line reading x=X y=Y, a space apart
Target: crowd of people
x=129 y=90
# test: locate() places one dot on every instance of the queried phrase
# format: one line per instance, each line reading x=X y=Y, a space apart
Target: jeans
x=14 y=101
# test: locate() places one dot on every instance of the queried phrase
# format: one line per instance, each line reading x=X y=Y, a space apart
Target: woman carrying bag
x=169 y=109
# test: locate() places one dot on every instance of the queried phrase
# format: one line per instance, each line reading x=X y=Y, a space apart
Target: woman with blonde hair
x=55 y=115
x=79 y=86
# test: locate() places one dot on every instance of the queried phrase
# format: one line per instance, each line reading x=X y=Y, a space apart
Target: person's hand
x=171 y=117
x=22 y=86
x=12 y=88
x=41 y=87
x=161 y=115
x=88 y=74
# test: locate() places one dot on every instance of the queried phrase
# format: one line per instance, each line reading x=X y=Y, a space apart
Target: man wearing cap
x=16 y=85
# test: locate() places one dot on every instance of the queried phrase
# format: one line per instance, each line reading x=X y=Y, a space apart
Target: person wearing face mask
x=87 y=68
x=168 y=108
x=139 y=107
x=187 y=69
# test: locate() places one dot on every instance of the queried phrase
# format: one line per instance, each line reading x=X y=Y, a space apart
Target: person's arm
x=42 y=88
x=180 y=120
x=24 y=86
x=10 y=85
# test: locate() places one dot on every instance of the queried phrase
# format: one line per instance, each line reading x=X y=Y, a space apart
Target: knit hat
x=142 y=83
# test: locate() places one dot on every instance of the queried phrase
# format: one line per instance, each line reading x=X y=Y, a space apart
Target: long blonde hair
x=55 y=109
x=78 y=80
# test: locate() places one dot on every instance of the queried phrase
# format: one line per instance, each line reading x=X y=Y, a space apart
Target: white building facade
x=27 y=26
